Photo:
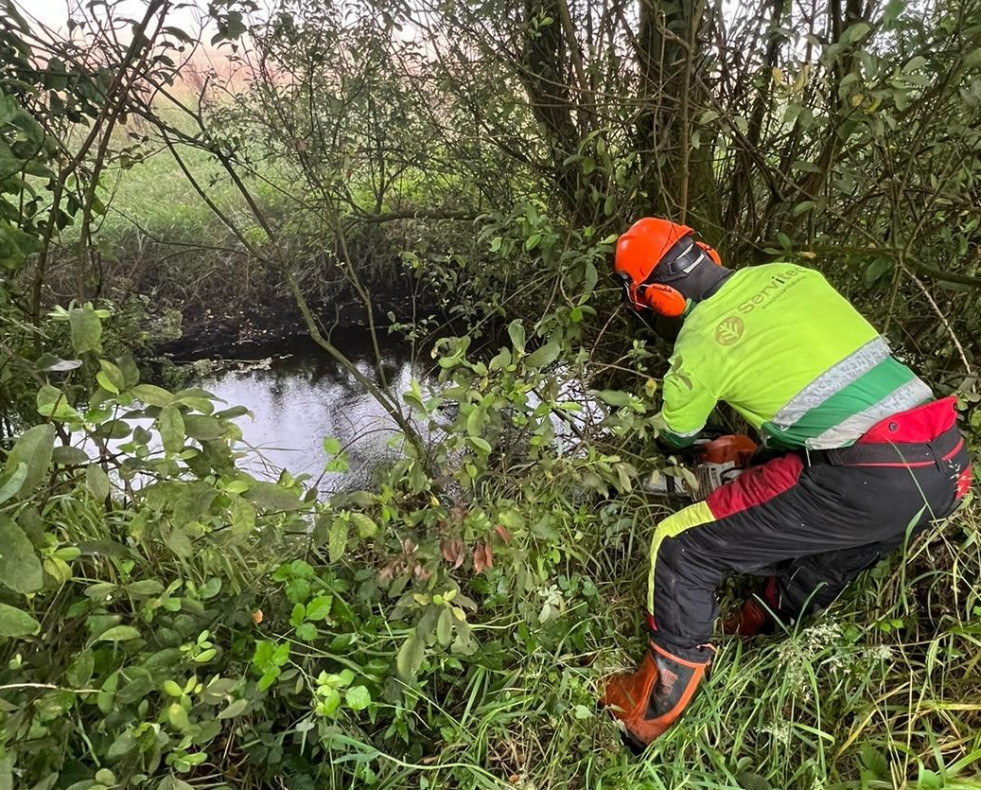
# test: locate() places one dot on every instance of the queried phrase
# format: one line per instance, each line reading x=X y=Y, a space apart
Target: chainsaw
x=716 y=462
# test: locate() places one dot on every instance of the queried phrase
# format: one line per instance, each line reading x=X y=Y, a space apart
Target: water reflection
x=304 y=396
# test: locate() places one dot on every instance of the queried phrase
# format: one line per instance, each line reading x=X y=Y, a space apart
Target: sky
x=54 y=13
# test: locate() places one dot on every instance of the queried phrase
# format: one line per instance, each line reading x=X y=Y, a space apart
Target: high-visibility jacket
x=792 y=356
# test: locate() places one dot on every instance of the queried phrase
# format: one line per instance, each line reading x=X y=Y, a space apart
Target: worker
x=863 y=455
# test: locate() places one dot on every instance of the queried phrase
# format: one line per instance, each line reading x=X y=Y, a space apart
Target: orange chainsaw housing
x=735 y=450
x=721 y=461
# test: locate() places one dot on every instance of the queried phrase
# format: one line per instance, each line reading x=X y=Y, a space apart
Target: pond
x=299 y=395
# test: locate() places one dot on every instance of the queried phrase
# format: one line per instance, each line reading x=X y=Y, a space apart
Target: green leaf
x=51 y=402
x=210 y=588
x=475 y=421
x=752 y=781
x=152 y=395
x=366 y=527
x=173 y=783
x=330 y=703
x=145 y=588
x=33 y=449
x=112 y=375
x=118 y=633
x=271 y=496
x=80 y=671
x=177 y=717
x=131 y=373
x=480 y=443
x=12 y=484
x=123 y=745
x=516 y=332
x=179 y=543
x=337 y=539
x=106 y=384
x=242 y=515
x=15 y=623
x=171 y=426
x=501 y=361
x=614 y=397
x=410 y=656
x=235 y=708
x=86 y=329
x=306 y=631
x=357 y=697
x=544 y=355
x=444 y=627
x=874 y=761
x=48 y=363
x=66 y=455
x=877 y=269
x=97 y=481
x=20 y=568
x=203 y=428
x=172 y=689
x=319 y=608
x=855 y=32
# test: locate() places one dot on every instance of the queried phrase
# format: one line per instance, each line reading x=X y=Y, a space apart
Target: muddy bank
x=247 y=333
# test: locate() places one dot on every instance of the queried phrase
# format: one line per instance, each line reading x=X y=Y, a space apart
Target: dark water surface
x=299 y=395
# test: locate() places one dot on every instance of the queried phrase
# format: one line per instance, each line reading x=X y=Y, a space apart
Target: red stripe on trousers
x=755 y=486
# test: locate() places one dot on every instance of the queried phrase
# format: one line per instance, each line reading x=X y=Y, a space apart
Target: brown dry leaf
x=421 y=573
x=257 y=616
x=483 y=558
x=408 y=546
x=452 y=551
x=388 y=572
x=503 y=533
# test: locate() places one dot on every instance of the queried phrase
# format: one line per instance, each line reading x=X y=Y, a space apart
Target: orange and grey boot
x=647 y=702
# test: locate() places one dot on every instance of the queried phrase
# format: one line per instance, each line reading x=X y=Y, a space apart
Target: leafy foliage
x=170 y=621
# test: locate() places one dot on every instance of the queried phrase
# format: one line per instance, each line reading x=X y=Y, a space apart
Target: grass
x=879 y=692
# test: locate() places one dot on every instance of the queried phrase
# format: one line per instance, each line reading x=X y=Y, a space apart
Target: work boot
x=753 y=618
x=647 y=702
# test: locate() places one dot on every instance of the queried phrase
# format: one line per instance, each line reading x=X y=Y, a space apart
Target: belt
x=908 y=454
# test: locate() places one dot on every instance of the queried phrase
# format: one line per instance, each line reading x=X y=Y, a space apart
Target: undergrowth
x=168 y=621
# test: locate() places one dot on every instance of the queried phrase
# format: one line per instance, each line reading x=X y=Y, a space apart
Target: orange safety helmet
x=649 y=244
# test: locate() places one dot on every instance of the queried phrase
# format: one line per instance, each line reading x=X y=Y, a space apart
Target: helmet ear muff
x=663 y=299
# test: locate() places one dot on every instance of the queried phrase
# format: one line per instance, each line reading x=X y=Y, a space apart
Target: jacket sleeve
x=687 y=404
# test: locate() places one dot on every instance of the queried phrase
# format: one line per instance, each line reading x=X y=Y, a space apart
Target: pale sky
x=54 y=13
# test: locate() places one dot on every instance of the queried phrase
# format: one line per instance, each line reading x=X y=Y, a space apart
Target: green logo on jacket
x=729 y=330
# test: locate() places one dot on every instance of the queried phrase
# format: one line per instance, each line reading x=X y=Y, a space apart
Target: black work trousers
x=815 y=526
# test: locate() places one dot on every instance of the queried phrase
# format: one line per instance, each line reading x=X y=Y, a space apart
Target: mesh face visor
x=677 y=262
